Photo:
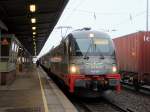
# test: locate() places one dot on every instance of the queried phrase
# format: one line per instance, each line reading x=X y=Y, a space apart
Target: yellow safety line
x=43 y=95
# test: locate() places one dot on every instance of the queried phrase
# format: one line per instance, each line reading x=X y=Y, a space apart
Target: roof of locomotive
x=86 y=33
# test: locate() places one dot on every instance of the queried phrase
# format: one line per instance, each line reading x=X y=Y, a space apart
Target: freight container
x=133 y=56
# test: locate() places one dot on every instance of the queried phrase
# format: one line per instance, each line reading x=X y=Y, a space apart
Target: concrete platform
x=33 y=92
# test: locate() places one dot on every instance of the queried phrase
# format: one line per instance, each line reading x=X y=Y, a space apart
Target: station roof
x=16 y=15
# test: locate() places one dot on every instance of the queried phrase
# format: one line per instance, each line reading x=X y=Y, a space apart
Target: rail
x=103 y=105
x=141 y=90
x=119 y=108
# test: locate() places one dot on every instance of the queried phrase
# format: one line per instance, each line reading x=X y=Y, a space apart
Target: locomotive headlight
x=74 y=69
x=114 y=69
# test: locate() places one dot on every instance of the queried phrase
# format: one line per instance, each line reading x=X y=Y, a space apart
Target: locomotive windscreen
x=94 y=46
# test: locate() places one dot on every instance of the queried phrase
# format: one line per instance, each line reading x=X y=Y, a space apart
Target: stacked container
x=133 y=55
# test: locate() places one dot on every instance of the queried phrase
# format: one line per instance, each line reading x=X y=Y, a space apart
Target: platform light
x=33 y=28
x=33 y=20
x=34 y=33
x=33 y=36
x=32 y=7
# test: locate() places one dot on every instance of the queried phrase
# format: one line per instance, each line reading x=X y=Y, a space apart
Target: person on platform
x=37 y=63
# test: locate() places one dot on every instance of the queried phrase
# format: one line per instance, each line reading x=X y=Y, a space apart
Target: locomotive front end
x=92 y=62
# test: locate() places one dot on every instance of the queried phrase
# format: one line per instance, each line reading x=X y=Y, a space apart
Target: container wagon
x=133 y=57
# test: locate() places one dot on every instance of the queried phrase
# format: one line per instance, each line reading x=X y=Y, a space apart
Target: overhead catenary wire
x=68 y=17
x=100 y=13
x=115 y=13
x=130 y=18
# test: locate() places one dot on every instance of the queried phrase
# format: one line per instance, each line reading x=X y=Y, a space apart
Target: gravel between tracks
x=130 y=100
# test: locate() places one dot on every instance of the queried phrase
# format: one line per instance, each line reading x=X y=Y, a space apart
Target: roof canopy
x=17 y=16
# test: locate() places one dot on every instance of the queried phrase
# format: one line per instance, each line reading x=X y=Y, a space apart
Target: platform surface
x=33 y=91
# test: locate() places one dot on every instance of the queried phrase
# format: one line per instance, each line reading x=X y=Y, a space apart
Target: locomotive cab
x=92 y=62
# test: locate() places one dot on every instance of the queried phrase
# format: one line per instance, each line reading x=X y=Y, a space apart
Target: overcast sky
x=115 y=17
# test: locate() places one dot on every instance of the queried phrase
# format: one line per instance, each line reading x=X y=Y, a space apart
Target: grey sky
x=124 y=16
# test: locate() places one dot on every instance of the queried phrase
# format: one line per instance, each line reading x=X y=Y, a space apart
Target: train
x=13 y=58
x=84 y=60
x=133 y=57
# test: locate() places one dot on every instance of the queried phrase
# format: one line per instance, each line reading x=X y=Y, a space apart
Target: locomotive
x=85 y=59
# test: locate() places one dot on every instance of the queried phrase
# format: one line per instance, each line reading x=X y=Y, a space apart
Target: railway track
x=117 y=107
x=142 y=90
x=93 y=105
x=100 y=105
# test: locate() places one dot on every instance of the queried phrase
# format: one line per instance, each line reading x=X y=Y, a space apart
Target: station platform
x=33 y=91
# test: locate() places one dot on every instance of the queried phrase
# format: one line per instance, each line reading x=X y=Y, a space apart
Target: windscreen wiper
x=101 y=55
x=113 y=55
x=85 y=56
